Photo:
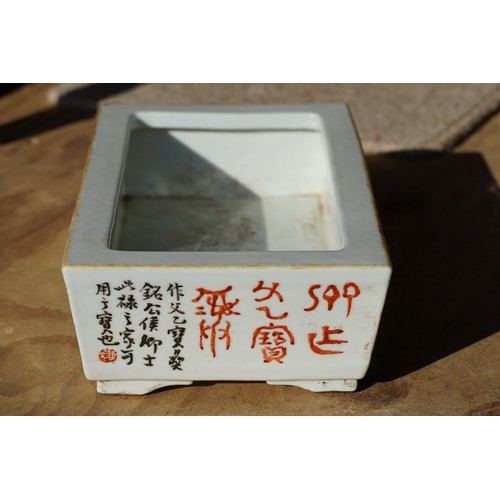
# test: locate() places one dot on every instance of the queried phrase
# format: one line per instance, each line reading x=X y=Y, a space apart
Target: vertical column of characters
x=149 y=325
x=176 y=315
x=217 y=305
x=329 y=335
x=273 y=338
x=127 y=303
x=104 y=320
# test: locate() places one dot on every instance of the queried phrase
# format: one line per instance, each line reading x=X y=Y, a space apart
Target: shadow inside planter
x=441 y=220
x=174 y=199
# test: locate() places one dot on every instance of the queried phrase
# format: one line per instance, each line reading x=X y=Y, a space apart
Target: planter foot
x=342 y=385
x=135 y=386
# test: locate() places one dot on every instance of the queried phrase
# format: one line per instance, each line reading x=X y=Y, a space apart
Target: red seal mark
x=108 y=355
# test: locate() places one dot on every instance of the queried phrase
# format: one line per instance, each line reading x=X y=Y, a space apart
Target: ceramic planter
x=225 y=243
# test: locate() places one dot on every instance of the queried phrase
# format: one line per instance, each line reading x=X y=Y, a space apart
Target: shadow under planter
x=440 y=217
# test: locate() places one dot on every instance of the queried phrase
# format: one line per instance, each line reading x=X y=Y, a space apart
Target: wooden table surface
x=438 y=347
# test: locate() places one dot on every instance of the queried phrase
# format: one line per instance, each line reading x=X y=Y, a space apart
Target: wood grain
x=24 y=102
x=424 y=363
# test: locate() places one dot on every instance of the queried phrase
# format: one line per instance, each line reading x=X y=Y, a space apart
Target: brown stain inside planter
x=178 y=223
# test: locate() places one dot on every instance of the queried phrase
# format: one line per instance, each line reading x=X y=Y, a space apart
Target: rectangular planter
x=225 y=243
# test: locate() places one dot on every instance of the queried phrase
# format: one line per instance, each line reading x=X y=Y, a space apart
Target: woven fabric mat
x=389 y=117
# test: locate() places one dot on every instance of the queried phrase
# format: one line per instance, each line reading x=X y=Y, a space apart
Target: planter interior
x=211 y=189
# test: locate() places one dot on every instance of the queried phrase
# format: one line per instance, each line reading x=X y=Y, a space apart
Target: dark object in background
x=6 y=88
x=61 y=115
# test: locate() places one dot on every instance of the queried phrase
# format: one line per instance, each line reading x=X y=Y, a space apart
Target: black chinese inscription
x=135 y=329
x=178 y=329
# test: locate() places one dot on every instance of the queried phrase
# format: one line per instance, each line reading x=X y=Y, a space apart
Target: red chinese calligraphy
x=268 y=314
x=331 y=294
x=273 y=290
x=211 y=331
x=107 y=355
x=326 y=339
x=273 y=338
x=349 y=296
x=219 y=306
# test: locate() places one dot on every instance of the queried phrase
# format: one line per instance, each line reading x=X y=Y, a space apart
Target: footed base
x=342 y=385
x=139 y=387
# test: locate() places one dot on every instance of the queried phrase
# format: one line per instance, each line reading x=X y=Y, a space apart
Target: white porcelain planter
x=225 y=243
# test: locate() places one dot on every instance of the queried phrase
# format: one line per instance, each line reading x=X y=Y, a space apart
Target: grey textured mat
x=389 y=117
